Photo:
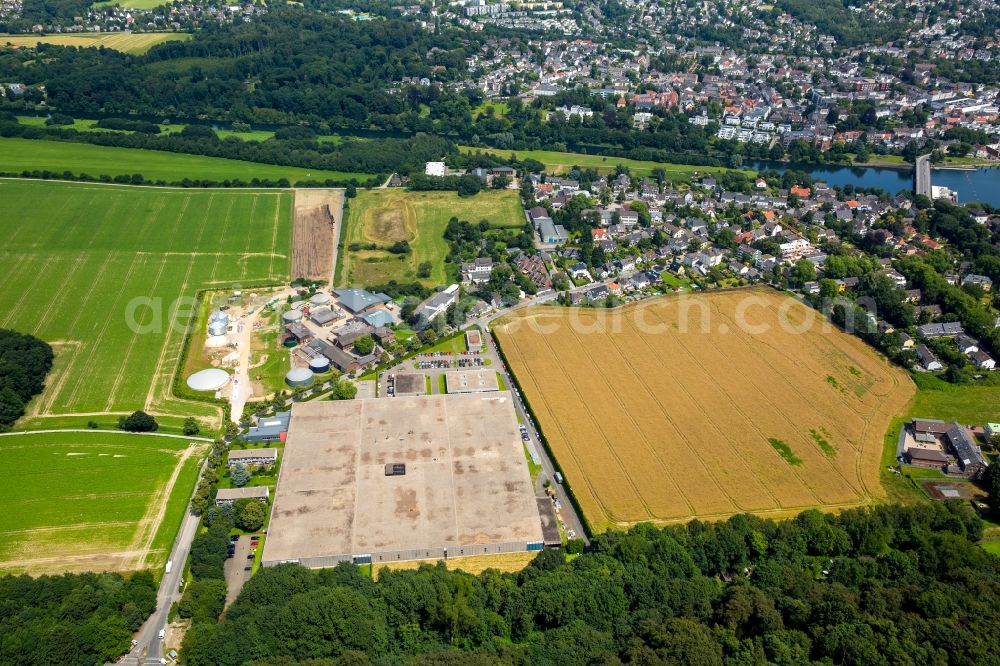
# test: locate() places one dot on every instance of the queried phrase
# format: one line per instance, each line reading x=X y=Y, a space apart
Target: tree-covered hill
x=891 y=585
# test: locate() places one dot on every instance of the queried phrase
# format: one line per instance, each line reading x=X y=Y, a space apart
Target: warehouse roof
x=466 y=480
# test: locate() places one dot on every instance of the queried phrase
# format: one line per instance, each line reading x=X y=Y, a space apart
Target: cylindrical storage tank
x=319 y=364
x=299 y=377
x=212 y=379
x=290 y=342
x=219 y=315
x=320 y=298
x=292 y=316
x=217 y=328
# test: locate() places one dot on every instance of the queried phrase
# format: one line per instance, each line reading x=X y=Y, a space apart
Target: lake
x=982 y=184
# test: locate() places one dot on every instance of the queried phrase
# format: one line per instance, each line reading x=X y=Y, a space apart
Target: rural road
x=149 y=647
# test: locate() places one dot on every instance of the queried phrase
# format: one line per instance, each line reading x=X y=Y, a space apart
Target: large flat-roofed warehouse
x=422 y=477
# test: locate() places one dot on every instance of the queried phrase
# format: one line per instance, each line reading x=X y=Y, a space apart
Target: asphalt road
x=149 y=647
x=569 y=514
x=922 y=175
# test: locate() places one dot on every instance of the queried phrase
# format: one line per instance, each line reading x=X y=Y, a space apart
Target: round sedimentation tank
x=320 y=298
x=292 y=316
x=319 y=364
x=208 y=380
x=299 y=377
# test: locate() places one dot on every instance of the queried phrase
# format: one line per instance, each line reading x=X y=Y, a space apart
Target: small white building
x=436 y=169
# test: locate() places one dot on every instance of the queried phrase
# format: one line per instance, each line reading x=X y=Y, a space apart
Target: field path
x=15 y=433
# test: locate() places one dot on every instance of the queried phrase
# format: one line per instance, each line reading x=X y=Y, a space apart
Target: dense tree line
x=24 y=362
x=889 y=585
x=73 y=619
x=375 y=156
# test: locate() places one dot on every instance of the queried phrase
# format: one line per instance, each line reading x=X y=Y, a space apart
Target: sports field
x=556 y=162
x=93 y=500
x=383 y=217
x=17 y=155
x=705 y=405
x=119 y=41
x=97 y=271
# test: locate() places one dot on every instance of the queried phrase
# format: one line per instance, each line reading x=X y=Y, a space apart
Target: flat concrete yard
x=466 y=488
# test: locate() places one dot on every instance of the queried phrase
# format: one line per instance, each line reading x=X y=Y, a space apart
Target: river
x=981 y=184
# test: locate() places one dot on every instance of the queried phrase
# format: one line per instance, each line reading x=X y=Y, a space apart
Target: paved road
x=568 y=511
x=149 y=648
x=922 y=176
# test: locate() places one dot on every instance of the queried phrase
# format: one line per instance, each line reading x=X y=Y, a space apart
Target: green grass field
x=137 y=43
x=419 y=218
x=89 y=501
x=132 y=4
x=97 y=271
x=556 y=163
x=17 y=155
x=935 y=399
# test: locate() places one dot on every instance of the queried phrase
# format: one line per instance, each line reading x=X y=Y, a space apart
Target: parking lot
x=239 y=565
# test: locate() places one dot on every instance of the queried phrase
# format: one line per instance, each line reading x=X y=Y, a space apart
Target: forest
x=884 y=585
x=73 y=619
x=24 y=362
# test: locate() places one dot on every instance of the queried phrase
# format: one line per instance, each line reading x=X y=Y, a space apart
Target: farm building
x=252 y=457
x=357 y=301
x=378 y=317
x=300 y=332
x=949 y=437
x=269 y=429
x=230 y=495
x=471 y=381
x=465 y=488
x=324 y=316
x=409 y=383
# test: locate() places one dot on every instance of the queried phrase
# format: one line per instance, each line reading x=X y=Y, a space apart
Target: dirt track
x=315 y=233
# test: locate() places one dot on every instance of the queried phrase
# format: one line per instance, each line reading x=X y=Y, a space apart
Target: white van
x=163 y=632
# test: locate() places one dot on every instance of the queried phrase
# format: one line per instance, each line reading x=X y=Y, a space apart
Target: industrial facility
x=415 y=478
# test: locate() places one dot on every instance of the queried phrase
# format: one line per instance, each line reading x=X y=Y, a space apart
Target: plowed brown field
x=663 y=410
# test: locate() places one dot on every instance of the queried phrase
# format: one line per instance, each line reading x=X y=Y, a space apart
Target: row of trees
x=888 y=585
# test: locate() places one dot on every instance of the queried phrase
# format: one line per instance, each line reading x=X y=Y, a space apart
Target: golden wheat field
x=139 y=42
x=705 y=405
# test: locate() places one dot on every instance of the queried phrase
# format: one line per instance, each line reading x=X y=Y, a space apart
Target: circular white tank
x=208 y=380
x=319 y=364
x=320 y=298
x=299 y=377
x=217 y=328
x=292 y=316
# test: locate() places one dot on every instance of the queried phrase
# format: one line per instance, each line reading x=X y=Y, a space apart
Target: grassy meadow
x=557 y=163
x=97 y=271
x=93 y=500
x=383 y=217
x=136 y=43
x=17 y=155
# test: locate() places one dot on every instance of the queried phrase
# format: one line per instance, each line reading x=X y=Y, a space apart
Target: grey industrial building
x=459 y=482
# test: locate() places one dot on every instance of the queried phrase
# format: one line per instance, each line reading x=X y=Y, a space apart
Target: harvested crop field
x=119 y=41
x=315 y=233
x=705 y=405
